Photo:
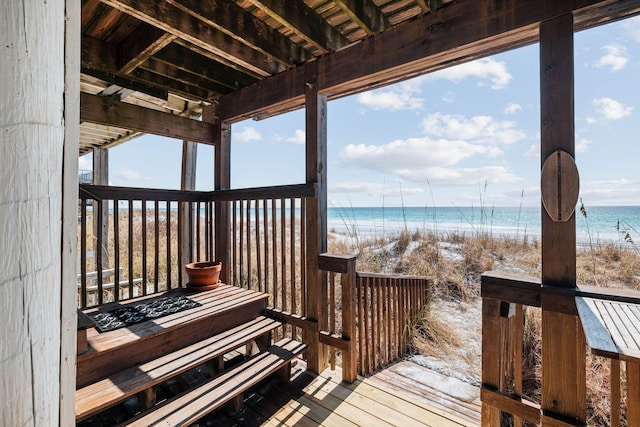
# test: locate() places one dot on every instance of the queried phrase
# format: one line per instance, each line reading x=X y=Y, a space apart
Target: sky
x=463 y=136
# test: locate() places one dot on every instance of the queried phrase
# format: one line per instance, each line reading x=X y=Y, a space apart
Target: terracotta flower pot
x=203 y=275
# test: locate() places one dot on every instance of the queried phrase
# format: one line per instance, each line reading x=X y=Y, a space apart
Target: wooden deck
x=403 y=394
x=388 y=398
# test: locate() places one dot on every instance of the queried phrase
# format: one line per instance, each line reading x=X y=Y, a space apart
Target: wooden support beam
x=188 y=183
x=423 y=5
x=366 y=14
x=181 y=56
x=174 y=20
x=456 y=34
x=222 y=181
x=563 y=341
x=170 y=71
x=101 y=177
x=316 y=218
x=69 y=237
x=143 y=43
x=104 y=111
x=304 y=21
x=239 y=24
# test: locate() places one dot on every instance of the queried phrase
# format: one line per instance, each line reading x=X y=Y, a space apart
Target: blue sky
x=452 y=137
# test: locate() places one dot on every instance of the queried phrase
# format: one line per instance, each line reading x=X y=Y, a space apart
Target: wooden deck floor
x=388 y=398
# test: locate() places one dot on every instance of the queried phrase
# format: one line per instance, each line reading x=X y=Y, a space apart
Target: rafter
x=423 y=5
x=457 y=33
x=104 y=111
x=99 y=59
x=173 y=20
x=303 y=21
x=366 y=14
x=143 y=43
x=171 y=72
x=236 y=22
x=185 y=59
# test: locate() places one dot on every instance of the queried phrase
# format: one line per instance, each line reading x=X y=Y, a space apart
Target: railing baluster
x=168 y=239
x=130 y=249
x=98 y=250
x=241 y=268
x=283 y=253
x=274 y=252
x=292 y=243
x=180 y=234
x=303 y=245
x=258 y=245
x=116 y=250
x=83 y=253
x=144 y=248
x=332 y=315
x=249 y=263
x=156 y=242
x=615 y=393
x=234 y=242
x=265 y=214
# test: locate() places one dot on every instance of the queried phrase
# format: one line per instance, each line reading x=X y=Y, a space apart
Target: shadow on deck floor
x=404 y=394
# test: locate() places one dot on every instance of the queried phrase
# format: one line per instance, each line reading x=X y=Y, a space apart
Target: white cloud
x=486 y=69
x=398 y=97
x=480 y=129
x=611 y=109
x=512 y=108
x=582 y=145
x=616 y=58
x=533 y=152
x=590 y=120
x=247 y=134
x=299 y=137
x=371 y=188
x=85 y=163
x=131 y=175
x=632 y=28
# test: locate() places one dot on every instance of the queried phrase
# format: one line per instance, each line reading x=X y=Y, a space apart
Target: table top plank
x=612 y=328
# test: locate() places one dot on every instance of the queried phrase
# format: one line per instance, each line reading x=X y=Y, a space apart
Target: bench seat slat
x=118 y=387
x=194 y=404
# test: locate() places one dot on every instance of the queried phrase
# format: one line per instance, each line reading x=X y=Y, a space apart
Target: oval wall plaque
x=560 y=185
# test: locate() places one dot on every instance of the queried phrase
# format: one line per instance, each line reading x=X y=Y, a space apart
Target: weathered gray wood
x=187 y=182
x=69 y=241
x=598 y=337
x=104 y=111
x=457 y=33
x=101 y=177
x=35 y=325
x=304 y=21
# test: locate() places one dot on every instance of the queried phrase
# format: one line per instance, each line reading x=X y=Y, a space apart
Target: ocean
x=602 y=223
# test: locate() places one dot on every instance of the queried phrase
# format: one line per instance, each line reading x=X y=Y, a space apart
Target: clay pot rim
x=204 y=265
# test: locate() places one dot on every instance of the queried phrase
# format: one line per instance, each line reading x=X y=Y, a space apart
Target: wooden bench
x=231 y=384
x=118 y=387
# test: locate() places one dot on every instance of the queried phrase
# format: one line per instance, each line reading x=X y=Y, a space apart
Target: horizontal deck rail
x=505 y=298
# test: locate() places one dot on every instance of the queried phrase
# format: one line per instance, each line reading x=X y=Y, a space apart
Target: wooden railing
x=135 y=238
x=369 y=316
x=503 y=327
x=267 y=248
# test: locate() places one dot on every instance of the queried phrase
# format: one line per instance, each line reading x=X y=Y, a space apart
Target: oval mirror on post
x=560 y=186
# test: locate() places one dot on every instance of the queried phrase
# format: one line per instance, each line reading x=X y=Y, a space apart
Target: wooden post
x=349 y=358
x=69 y=292
x=187 y=182
x=316 y=218
x=563 y=348
x=101 y=177
x=36 y=247
x=222 y=181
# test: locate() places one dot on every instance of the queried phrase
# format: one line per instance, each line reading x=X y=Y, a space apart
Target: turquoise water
x=604 y=223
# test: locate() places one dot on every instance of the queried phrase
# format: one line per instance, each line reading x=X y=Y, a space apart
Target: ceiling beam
x=105 y=111
x=170 y=71
x=100 y=59
x=303 y=21
x=187 y=60
x=423 y=5
x=366 y=14
x=143 y=43
x=236 y=22
x=171 y=19
x=456 y=33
